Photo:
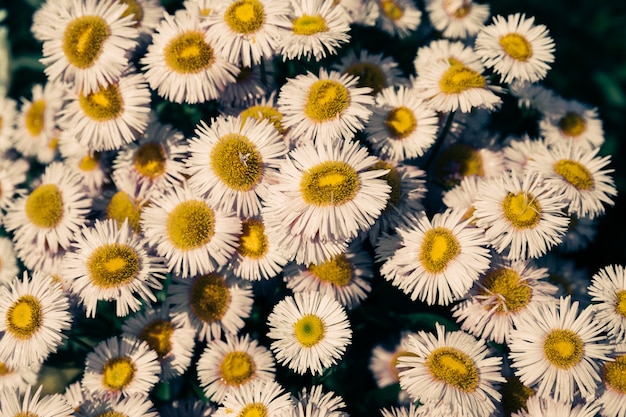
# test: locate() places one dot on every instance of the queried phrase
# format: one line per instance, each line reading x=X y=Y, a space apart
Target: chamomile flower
x=229 y=365
x=572 y=121
x=213 y=303
x=182 y=63
x=172 y=340
x=92 y=166
x=110 y=116
x=344 y=277
x=262 y=398
x=506 y=291
x=383 y=364
x=121 y=366
x=556 y=349
x=608 y=295
x=375 y=71
x=185 y=229
x=310 y=330
x=24 y=402
x=326 y=106
x=522 y=217
x=445 y=50
x=539 y=407
x=449 y=87
x=19 y=377
x=230 y=163
x=452 y=367
x=8 y=116
x=247 y=31
x=318 y=28
x=86 y=43
x=8 y=261
x=109 y=263
x=516 y=48
x=402 y=125
x=458 y=19
x=437 y=260
x=398 y=17
x=579 y=176
x=50 y=214
x=611 y=397
x=35 y=312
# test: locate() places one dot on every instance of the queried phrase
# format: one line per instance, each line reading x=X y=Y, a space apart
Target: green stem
x=439 y=141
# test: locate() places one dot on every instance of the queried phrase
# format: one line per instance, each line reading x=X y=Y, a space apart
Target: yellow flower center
x=89 y=162
x=34 y=118
x=522 y=210
x=190 y=224
x=620 y=302
x=614 y=374
x=268 y=113
x=370 y=75
x=26 y=414
x=459 y=78
x=253 y=242
x=133 y=8
x=24 y=317
x=514 y=395
x=105 y=104
x=237 y=162
x=563 y=348
x=329 y=183
x=458 y=12
x=253 y=410
x=400 y=122
x=158 y=335
x=516 y=46
x=395 y=182
x=237 y=368
x=309 y=330
x=572 y=125
x=113 y=265
x=512 y=292
x=394 y=362
x=83 y=40
x=453 y=367
x=188 y=53
x=209 y=297
x=44 y=206
x=149 y=160
x=326 y=100
x=337 y=271
x=391 y=9
x=439 y=247
x=5 y=370
x=245 y=16
x=309 y=25
x=117 y=373
x=111 y=414
x=575 y=173
x=122 y=207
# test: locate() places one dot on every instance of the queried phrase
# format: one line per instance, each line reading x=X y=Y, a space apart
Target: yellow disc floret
x=209 y=297
x=337 y=271
x=113 y=265
x=237 y=368
x=512 y=292
x=83 y=40
x=149 y=160
x=439 y=247
x=572 y=125
x=370 y=75
x=24 y=317
x=391 y=9
x=158 y=335
x=459 y=78
x=104 y=104
x=453 y=367
x=400 y=122
x=522 y=210
x=245 y=16
x=133 y=8
x=575 y=173
x=190 y=224
x=563 y=348
x=329 y=183
x=326 y=100
x=308 y=25
x=309 y=330
x=253 y=410
x=117 y=373
x=35 y=117
x=253 y=242
x=614 y=374
x=516 y=46
x=121 y=207
x=188 y=53
x=237 y=162
x=44 y=206
x=89 y=162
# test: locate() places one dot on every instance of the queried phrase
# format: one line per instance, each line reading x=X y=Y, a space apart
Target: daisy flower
x=444 y=50
x=19 y=377
x=522 y=217
x=318 y=29
x=517 y=152
x=516 y=48
x=611 y=397
x=508 y=290
x=86 y=44
x=8 y=261
x=327 y=190
x=8 y=116
x=258 y=398
x=314 y=398
x=579 y=176
x=35 y=312
x=438 y=260
x=121 y=366
x=375 y=71
x=449 y=87
x=398 y=17
x=109 y=263
x=110 y=116
x=52 y=212
x=135 y=405
x=326 y=106
x=247 y=31
x=457 y=19
x=146 y=14
x=310 y=332
x=185 y=229
x=183 y=64
x=467 y=158
x=16 y=402
x=344 y=277
x=265 y=109
x=127 y=201
x=383 y=365
x=259 y=255
x=608 y=295
x=172 y=340
x=402 y=125
x=540 y=407
x=556 y=349
x=230 y=163
x=213 y=303
x=230 y=365
x=452 y=367
x=571 y=121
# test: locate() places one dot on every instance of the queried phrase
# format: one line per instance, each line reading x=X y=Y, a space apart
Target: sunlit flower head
x=608 y=295
x=126 y=201
x=611 y=396
x=398 y=17
x=457 y=19
x=266 y=109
